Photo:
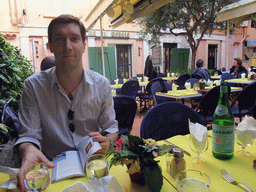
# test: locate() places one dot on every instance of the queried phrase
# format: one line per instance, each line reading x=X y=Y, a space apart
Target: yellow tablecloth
x=241 y=168
x=118 y=171
x=169 y=78
x=142 y=83
x=240 y=80
x=182 y=92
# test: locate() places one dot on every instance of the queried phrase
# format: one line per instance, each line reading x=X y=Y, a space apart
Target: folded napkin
x=217 y=82
x=188 y=86
x=246 y=130
x=12 y=182
x=174 y=87
x=104 y=184
x=198 y=133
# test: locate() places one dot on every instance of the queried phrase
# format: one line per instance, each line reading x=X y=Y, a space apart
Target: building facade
x=25 y=23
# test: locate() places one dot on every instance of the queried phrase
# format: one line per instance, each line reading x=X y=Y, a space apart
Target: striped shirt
x=44 y=107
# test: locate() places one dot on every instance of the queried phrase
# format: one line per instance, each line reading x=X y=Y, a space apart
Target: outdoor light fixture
x=139 y=50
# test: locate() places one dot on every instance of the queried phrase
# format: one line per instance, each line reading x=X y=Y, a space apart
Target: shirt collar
x=86 y=79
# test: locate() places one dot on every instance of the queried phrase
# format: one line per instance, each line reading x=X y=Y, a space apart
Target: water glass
x=192 y=181
x=96 y=166
x=195 y=86
x=244 y=140
x=37 y=177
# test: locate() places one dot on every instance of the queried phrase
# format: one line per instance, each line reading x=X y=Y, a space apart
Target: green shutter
x=179 y=59
x=95 y=61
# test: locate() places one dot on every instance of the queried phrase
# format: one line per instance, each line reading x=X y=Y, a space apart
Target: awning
x=238 y=12
x=122 y=11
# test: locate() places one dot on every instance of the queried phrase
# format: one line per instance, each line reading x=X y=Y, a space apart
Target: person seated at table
x=62 y=105
x=200 y=71
x=237 y=67
x=47 y=63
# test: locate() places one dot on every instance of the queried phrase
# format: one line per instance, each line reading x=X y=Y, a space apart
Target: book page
x=86 y=148
x=67 y=165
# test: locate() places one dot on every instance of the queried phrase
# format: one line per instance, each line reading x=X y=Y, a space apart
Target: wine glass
x=244 y=140
x=96 y=166
x=198 y=146
x=37 y=177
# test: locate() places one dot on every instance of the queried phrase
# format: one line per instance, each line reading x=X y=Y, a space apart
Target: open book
x=72 y=163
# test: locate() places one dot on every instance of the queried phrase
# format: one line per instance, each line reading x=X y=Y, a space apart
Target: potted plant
x=139 y=156
x=5 y=136
x=202 y=84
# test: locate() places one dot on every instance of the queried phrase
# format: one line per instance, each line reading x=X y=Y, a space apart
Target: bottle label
x=223 y=138
x=221 y=110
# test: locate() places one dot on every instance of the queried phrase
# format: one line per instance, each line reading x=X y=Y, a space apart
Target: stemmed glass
x=37 y=177
x=198 y=147
x=244 y=140
x=96 y=167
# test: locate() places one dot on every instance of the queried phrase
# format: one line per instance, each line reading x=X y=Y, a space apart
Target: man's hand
x=104 y=141
x=30 y=155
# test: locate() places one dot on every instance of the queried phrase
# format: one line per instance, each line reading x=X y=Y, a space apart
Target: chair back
x=149 y=85
x=158 y=87
x=182 y=80
x=160 y=75
x=192 y=81
x=254 y=112
x=209 y=101
x=130 y=88
x=247 y=97
x=197 y=76
x=168 y=119
x=125 y=108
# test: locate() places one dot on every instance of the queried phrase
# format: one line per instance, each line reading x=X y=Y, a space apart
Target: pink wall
x=140 y=62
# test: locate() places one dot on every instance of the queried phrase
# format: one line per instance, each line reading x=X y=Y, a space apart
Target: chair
x=147 y=97
x=254 y=112
x=158 y=87
x=168 y=119
x=208 y=104
x=125 y=108
x=160 y=75
x=245 y=101
x=120 y=81
x=194 y=100
x=182 y=79
x=223 y=69
x=227 y=76
x=130 y=88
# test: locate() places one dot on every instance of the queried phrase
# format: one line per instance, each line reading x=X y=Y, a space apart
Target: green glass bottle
x=223 y=127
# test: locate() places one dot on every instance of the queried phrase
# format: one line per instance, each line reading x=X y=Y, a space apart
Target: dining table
x=119 y=172
x=243 y=81
x=215 y=77
x=240 y=167
x=141 y=83
x=186 y=94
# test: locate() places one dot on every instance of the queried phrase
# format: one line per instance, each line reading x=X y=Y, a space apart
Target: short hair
x=239 y=61
x=47 y=63
x=199 y=63
x=63 y=19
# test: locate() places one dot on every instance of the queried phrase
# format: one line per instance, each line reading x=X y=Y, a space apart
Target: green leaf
x=153 y=177
x=4 y=79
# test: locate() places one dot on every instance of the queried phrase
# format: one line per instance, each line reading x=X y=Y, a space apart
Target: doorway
x=124 y=61
x=212 y=56
x=37 y=52
x=167 y=55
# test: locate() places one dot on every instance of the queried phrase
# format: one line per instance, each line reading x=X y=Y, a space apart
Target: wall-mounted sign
x=251 y=43
x=156 y=56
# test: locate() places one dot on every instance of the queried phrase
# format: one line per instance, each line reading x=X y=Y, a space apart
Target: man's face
x=67 y=45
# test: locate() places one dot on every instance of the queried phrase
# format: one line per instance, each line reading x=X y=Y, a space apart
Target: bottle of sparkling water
x=223 y=127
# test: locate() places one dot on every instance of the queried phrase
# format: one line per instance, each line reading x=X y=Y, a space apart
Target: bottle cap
x=178 y=152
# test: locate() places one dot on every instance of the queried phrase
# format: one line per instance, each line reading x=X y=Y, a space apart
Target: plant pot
x=201 y=85
x=138 y=178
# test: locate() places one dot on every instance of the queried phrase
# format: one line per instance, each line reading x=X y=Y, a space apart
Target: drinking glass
x=192 y=181
x=195 y=86
x=96 y=167
x=198 y=147
x=244 y=140
x=37 y=177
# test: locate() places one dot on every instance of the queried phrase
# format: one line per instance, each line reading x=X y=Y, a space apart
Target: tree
x=191 y=17
x=14 y=69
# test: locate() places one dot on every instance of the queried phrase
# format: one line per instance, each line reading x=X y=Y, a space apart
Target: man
x=200 y=71
x=237 y=68
x=64 y=104
x=47 y=63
